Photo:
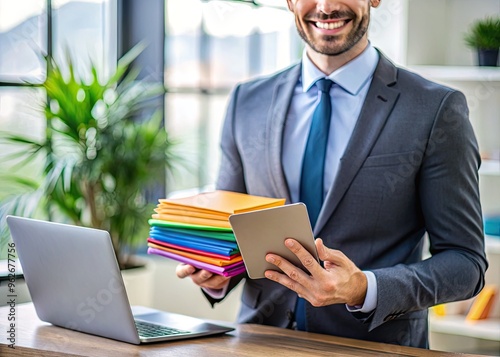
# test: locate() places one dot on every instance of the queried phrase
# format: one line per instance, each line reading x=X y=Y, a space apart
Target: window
x=32 y=29
x=209 y=47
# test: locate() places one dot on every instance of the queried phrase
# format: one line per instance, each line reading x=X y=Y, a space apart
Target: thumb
x=184 y=270
x=328 y=255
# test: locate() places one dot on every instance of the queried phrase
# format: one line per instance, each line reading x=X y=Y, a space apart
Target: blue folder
x=206 y=244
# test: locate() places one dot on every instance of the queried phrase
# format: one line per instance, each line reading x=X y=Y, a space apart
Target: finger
x=286 y=281
x=307 y=260
x=216 y=282
x=201 y=277
x=330 y=255
x=184 y=270
x=293 y=273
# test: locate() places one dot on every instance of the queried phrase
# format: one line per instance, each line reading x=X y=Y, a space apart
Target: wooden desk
x=36 y=338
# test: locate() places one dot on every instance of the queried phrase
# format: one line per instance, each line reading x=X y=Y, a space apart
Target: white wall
x=428 y=32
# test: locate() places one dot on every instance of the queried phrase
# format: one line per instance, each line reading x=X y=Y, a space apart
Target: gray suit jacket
x=410 y=168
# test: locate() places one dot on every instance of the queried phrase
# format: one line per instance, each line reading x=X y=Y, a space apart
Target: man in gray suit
x=401 y=162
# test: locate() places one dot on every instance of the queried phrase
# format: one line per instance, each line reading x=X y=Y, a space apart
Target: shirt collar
x=351 y=76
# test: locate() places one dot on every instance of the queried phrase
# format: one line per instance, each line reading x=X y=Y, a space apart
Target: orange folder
x=192 y=220
x=191 y=213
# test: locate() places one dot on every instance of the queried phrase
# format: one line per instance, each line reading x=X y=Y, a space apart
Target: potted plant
x=99 y=154
x=484 y=36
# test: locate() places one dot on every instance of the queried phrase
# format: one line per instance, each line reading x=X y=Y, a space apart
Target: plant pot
x=487 y=57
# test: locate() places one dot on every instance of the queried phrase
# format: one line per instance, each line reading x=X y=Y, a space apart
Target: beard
x=335 y=45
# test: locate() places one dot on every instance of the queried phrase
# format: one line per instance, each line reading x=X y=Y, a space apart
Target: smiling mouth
x=331 y=25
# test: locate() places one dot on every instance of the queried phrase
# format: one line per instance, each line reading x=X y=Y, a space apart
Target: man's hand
x=339 y=282
x=202 y=278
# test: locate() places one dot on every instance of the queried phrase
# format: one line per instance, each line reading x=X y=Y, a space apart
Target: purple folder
x=228 y=270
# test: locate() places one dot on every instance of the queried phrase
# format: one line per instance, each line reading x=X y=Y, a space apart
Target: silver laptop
x=74 y=282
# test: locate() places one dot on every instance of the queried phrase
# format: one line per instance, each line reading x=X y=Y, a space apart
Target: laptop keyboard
x=146 y=329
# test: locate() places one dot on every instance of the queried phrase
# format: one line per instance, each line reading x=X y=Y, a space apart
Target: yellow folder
x=481 y=307
x=222 y=202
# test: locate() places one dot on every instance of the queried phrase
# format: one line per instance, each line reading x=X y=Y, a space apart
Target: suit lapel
x=380 y=100
x=280 y=104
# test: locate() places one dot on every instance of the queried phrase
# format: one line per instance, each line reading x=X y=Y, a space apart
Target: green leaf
x=484 y=34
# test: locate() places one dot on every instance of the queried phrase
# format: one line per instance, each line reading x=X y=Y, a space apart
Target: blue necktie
x=313 y=164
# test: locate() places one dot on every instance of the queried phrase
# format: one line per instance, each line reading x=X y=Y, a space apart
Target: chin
x=330 y=47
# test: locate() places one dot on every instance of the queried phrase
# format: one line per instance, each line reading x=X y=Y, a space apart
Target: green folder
x=170 y=224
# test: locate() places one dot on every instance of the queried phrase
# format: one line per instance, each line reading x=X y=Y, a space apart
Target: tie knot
x=324 y=84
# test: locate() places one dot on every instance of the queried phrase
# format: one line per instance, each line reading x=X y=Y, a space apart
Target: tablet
x=264 y=231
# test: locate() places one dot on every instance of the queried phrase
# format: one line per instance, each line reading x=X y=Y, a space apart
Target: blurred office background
x=199 y=50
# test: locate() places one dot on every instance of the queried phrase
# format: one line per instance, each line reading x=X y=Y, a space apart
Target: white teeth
x=330 y=25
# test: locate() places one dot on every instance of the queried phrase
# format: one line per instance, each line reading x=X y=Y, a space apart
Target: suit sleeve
x=449 y=196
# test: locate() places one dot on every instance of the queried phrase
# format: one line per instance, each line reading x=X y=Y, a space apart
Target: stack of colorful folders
x=195 y=230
